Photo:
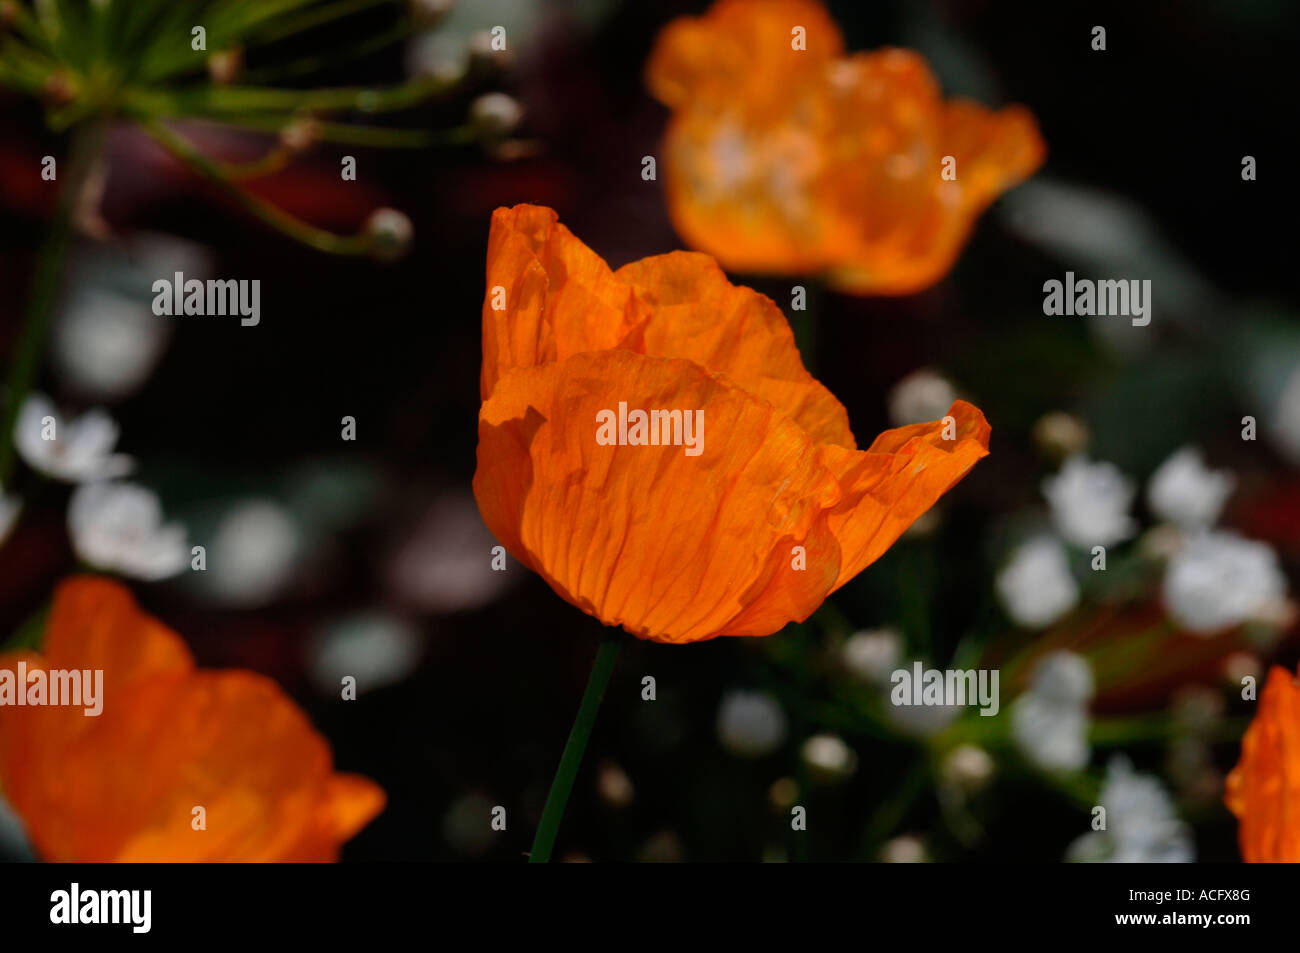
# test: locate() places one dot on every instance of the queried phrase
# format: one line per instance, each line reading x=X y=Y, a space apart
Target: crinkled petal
x=672 y=547
x=1263 y=790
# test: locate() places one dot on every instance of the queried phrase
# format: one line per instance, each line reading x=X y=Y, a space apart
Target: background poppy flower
x=122 y=786
x=1263 y=790
x=792 y=161
x=672 y=547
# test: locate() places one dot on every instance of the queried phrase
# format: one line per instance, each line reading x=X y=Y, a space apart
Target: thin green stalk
x=45 y=290
x=282 y=221
x=556 y=801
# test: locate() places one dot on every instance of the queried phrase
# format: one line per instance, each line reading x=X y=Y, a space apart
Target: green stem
x=282 y=221
x=556 y=801
x=45 y=290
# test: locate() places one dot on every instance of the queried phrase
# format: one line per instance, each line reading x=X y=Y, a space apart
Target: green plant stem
x=45 y=289
x=556 y=801
x=282 y=221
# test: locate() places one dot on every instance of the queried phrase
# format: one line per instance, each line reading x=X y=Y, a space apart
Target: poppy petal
x=672 y=547
x=900 y=476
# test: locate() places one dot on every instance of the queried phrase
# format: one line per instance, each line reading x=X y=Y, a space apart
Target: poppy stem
x=86 y=142
x=556 y=801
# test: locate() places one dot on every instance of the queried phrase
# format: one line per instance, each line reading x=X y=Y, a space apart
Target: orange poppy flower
x=773 y=510
x=792 y=161
x=1263 y=790
x=123 y=785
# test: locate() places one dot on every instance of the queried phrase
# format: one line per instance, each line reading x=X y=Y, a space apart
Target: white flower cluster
x=1214 y=580
x=114 y=525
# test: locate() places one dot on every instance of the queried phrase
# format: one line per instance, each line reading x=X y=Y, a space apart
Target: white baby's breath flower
x=496 y=113
x=872 y=656
x=1141 y=825
x=750 y=724
x=253 y=553
x=1036 y=587
x=105 y=343
x=920 y=397
x=1219 y=580
x=1050 y=721
x=829 y=754
x=967 y=767
x=1187 y=493
x=906 y=849
x=119 y=527
x=439 y=568
x=375 y=648
x=80 y=450
x=1090 y=502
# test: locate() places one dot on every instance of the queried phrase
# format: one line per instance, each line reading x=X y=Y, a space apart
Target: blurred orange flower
x=776 y=510
x=1263 y=790
x=123 y=785
x=790 y=160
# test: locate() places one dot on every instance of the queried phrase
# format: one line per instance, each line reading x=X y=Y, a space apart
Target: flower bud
x=390 y=233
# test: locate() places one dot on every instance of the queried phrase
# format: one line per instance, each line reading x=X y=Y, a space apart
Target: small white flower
x=1187 y=493
x=873 y=656
x=10 y=507
x=1141 y=825
x=105 y=343
x=375 y=648
x=1090 y=502
x=119 y=527
x=750 y=724
x=920 y=397
x=1050 y=721
x=1036 y=586
x=442 y=566
x=1062 y=677
x=496 y=113
x=906 y=849
x=967 y=768
x=81 y=449
x=829 y=753
x=1219 y=580
x=253 y=553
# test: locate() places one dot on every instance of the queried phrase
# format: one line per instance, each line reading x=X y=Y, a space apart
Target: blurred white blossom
x=81 y=449
x=119 y=527
x=1036 y=586
x=829 y=754
x=906 y=849
x=1050 y=721
x=106 y=344
x=967 y=767
x=873 y=655
x=750 y=724
x=1090 y=502
x=1187 y=493
x=1141 y=825
x=376 y=648
x=253 y=553
x=920 y=397
x=1219 y=580
x=446 y=565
